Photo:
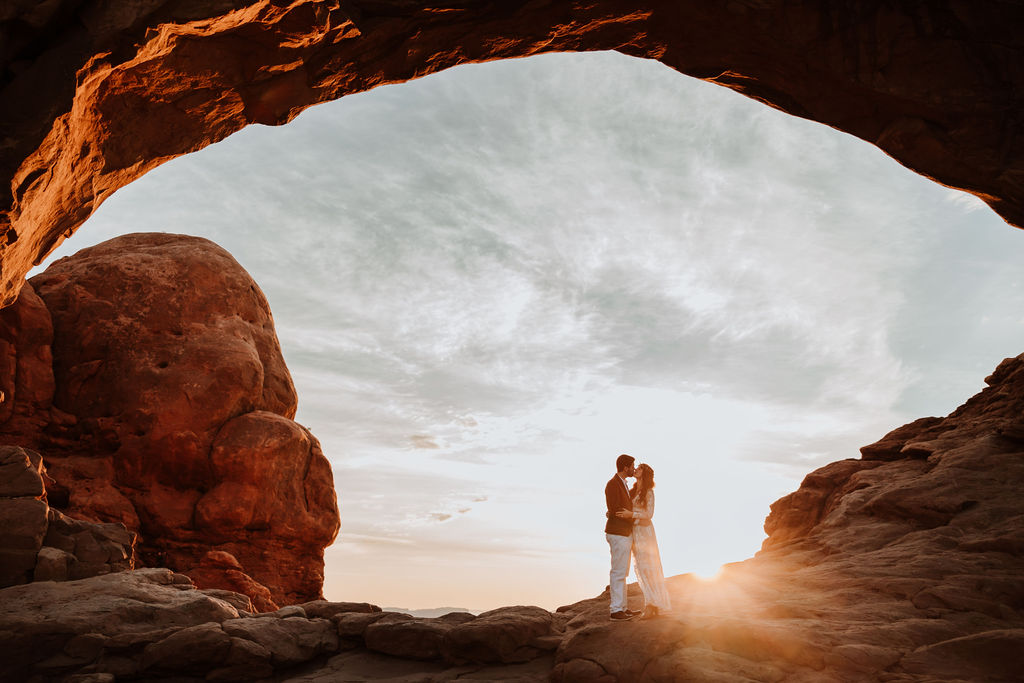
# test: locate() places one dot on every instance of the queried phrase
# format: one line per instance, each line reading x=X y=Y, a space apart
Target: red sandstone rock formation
x=95 y=95
x=168 y=408
x=26 y=365
x=38 y=543
x=221 y=570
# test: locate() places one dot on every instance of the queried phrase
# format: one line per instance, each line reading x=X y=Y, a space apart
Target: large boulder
x=21 y=473
x=168 y=409
x=21 y=537
x=402 y=635
x=165 y=338
x=504 y=635
x=77 y=549
x=50 y=626
x=38 y=543
x=220 y=570
x=152 y=624
x=290 y=640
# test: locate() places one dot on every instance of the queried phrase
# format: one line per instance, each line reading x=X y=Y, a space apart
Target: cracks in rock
x=310 y=454
x=647 y=665
x=594 y=662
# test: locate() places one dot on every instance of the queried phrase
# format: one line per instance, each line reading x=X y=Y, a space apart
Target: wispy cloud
x=423 y=441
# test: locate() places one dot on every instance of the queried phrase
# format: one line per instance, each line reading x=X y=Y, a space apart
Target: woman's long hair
x=644 y=482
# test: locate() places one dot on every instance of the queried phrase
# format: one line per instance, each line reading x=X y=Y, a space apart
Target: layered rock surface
x=38 y=543
x=904 y=565
x=153 y=624
x=149 y=377
x=94 y=94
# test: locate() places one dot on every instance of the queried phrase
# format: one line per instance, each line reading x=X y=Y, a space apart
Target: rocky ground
x=153 y=624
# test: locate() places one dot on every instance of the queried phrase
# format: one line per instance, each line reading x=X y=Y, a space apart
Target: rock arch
x=96 y=94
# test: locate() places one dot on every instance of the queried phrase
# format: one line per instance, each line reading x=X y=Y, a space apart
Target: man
x=619 y=534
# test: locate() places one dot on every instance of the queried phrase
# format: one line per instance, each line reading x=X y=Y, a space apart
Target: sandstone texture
x=94 y=94
x=153 y=624
x=149 y=377
x=38 y=543
x=26 y=363
x=50 y=629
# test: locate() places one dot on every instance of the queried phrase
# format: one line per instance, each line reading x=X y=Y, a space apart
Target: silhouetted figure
x=619 y=534
x=646 y=557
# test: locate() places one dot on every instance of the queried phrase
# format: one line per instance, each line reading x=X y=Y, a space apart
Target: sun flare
x=709 y=576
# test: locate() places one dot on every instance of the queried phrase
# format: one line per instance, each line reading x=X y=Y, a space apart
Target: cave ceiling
x=95 y=94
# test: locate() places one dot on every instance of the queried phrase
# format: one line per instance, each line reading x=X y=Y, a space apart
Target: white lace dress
x=646 y=558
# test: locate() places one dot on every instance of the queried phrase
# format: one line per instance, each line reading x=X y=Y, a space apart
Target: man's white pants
x=620 y=547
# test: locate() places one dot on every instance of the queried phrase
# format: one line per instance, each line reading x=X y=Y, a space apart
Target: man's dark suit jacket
x=617 y=498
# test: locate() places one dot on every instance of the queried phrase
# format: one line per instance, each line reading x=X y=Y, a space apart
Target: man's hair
x=623 y=461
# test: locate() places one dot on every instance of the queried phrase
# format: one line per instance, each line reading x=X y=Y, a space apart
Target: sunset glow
x=490 y=282
x=708 y=576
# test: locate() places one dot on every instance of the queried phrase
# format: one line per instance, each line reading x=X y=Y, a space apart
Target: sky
x=489 y=282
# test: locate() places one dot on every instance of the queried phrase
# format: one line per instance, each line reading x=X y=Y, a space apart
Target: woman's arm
x=645 y=511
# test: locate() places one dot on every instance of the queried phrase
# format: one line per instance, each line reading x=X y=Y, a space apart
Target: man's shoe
x=620 y=616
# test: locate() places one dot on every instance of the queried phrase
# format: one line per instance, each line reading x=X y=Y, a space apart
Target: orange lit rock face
x=127 y=87
x=933 y=480
x=171 y=412
x=26 y=366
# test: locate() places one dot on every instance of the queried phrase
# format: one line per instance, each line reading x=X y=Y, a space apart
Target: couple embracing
x=630 y=531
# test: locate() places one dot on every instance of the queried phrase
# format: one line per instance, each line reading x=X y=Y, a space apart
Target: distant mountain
x=429 y=613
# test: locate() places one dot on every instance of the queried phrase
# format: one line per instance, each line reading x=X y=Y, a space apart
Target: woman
x=647 y=559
